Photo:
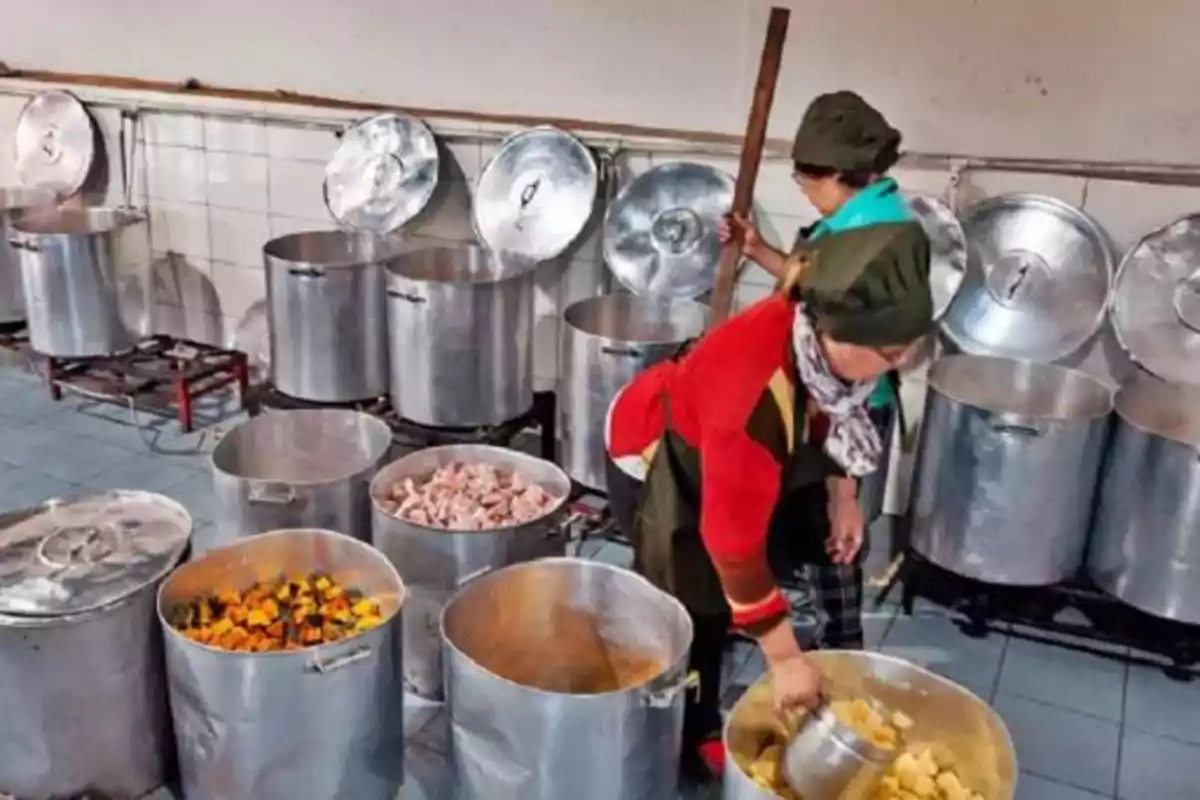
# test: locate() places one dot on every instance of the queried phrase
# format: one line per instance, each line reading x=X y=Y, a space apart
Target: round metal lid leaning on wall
x=1156 y=302
x=536 y=194
x=54 y=145
x=660 y=233
x=83 y=553
x=382 y=174
x=947 y=245
x=1039 y=273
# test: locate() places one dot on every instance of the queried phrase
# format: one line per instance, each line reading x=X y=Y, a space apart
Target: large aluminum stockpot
x=460 y=321
x=323 y=723
x=1007 y=467
x=68 y=261
x=945 y=715
x=607 y=341
x=1145 y=546
x=294 y=469
x=12 y=293
x=83 y=701
x=328 y=314
x=434 y=563
x=524 y=643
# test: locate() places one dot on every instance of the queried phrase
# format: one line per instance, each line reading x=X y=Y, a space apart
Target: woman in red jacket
x=737 y=462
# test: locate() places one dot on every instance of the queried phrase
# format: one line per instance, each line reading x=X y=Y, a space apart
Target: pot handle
x=472 y=575
x=306 y=272
x=20 y=244
x=319 y=667
x=399 y=295
x=665 y=697
x=267 y=493
x=624 y=352
x=1016 y=425
x=563 y=529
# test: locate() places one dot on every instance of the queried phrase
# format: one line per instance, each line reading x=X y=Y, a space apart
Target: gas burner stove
x=172 y=372
x=414 y=435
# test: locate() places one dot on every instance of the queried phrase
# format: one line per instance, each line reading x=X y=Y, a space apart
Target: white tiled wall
x=218 y=189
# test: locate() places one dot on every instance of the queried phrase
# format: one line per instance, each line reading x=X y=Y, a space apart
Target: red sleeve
x=739 y=492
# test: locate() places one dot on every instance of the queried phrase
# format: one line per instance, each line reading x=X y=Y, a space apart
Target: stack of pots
x=82 y=683
x=434 y=563
x=322 y=722
x=308 y=468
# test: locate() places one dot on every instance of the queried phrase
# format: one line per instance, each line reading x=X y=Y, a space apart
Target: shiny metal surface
x=54 y=143
x=513 y=742
x=68 y=556
x=945 y=715
x=12 y=293
x=1156 y=301
x=434 y=563
x=83 y=702
x=1007 y=466
x=827 y=760
x=536 y=193
x=327 y=306
x=606 y=341
x=660 y=232
x=460 y=324
x=948 y=248
x=383 y=173
x=1146 y=536
x=323 y=723
x=302 y=468
x=68 y=261
x=1037 y=281
x=253 y=337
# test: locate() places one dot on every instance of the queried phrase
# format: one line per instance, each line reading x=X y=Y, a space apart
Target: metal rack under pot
x=460 y=322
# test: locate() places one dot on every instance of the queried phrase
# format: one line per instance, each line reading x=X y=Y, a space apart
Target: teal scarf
x=877 y=204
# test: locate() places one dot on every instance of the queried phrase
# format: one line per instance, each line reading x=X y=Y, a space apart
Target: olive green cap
x=870 y=286
x=843 y=132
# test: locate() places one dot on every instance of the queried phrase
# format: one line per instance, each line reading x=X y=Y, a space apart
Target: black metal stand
x=1031 y=613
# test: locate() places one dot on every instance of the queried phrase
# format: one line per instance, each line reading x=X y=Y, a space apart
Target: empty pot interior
x=568 y=626
x=308 y=446
x=1169 y=410
x=333 y=248
x=467 y=263
x=629 y=318
x=1009 y=386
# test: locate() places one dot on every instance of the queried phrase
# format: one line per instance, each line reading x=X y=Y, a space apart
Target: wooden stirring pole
x=752 y=147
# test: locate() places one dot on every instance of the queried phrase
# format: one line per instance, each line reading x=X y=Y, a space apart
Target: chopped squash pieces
x=286 y=614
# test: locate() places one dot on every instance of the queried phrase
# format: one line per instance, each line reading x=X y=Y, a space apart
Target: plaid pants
x=826 y=604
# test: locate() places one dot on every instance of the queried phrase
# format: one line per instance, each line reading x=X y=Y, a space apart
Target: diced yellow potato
x=901 y=721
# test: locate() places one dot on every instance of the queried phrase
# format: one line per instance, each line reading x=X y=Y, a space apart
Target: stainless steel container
x=827 y=760
x=945 y=714
x=294 y=469
x=12 y=293
x=561 y=624
x=328 y=314
x=83 y=702
x=68 y=261
x=460 y=323
x=608 y=340
x=434 y=563
x=324 y=722
x=1145 y=546
x=1007 y=467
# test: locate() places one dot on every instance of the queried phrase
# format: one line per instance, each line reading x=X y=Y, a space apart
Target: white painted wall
x=1102 y=79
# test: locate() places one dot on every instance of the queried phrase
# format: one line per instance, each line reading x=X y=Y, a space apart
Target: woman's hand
x=797 y=682
x=735 y=226
x=847 y=523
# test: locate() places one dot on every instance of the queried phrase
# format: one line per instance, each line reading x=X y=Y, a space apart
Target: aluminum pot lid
x=382 y=174
x=54 y=143
x=1038 y=277
x=1156 y=302
x=536 y=194
x=660 y=232
x=83 y=553
x=947 y=249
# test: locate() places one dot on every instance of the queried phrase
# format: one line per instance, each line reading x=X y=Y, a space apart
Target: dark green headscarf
x=843 y=132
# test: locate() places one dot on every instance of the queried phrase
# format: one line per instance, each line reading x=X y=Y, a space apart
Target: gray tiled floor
x=1085 y=727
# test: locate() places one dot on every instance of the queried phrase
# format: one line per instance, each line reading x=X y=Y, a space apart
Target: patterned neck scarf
x=853 y=443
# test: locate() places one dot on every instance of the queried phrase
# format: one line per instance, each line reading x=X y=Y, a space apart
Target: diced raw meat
x=468 y=497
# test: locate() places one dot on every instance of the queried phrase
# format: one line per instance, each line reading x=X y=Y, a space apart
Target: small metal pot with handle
x=827 y=760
